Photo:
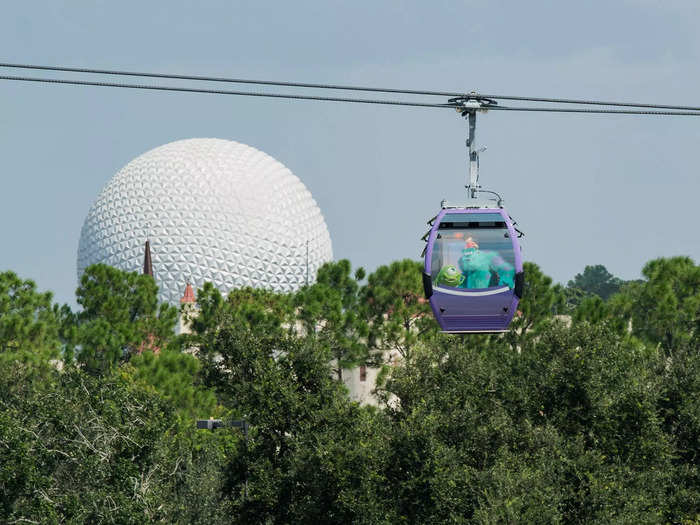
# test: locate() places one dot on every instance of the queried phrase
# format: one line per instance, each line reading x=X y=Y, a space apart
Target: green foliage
x=332 y=314
x=594 y=310
x=261 y=311
x=312 y=454
x=451 y=422
x=566 y=430
x=334 y=472
x=82 y=449
x=261 y=377
x=661 y=309
x=540 y=301
x=248 y=309
x=175 y=376
x=679 y=410
x=398 y=313
x=573 y=297
x=120 y=315
x=592 y=421
x=591 y=309
x=29 y=323
x=665 y=307
x=196 y=491
x=590 y=381
x=596 y=280
x=210 y=313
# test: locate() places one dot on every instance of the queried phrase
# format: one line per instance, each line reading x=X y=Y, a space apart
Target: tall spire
x=189 y=297
x=147 y=263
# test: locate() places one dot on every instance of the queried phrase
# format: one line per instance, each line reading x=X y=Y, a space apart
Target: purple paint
x=488 y=309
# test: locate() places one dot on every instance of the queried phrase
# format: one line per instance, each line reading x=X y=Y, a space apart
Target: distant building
x=188 y=310
x=212 y=210
x=361 y=381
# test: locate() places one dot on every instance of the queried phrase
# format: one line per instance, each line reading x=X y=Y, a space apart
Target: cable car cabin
x=473 y=270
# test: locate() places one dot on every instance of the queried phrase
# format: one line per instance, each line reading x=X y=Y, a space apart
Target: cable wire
x=347 y=88
x=591 y=102
x=226 y=92
x=230 y=80
x=337 y=99
x=597 y=111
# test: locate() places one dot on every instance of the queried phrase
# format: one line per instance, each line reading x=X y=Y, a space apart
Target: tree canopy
x=29 y=322
x=120 y=316
x=596 y=280
x=586 y=411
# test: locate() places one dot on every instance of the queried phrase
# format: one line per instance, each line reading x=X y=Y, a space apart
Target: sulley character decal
x=478 y=265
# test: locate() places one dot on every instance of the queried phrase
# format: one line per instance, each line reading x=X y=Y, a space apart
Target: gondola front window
x=473 y=251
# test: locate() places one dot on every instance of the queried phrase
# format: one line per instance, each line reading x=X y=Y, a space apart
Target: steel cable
x=595 y=111
x=230 y=80
x=225 y=92
x=351 y=88
x=290 y=96
x=591 y=102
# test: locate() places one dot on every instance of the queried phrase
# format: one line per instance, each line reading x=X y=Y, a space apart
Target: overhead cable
x=591 y=102
x=292 y=96
x=230 y=80
x=597 y=111
x=348 y=88
x=226 y=92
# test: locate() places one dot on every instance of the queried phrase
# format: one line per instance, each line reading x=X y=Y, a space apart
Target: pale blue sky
x=613 y=190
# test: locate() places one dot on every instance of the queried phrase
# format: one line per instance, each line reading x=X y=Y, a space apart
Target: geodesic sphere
x=213 y=210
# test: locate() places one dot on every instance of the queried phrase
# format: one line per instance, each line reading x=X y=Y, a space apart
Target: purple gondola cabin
x=473 y=270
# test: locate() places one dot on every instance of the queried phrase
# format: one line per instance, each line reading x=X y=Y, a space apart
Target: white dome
x=214 y=210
